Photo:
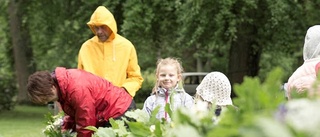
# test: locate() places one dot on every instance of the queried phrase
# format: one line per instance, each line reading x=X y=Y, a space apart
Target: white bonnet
x=215 y=86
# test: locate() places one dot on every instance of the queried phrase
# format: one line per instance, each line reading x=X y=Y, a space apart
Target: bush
x=261 y=110
x=8 y=91
x=147 y=85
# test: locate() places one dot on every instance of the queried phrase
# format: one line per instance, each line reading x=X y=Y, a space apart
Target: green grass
x=26 y=121
x=23 y=121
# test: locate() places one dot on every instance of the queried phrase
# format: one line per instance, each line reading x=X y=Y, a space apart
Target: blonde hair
x=167 y=61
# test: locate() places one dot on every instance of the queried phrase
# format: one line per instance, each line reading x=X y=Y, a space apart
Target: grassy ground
x=23 y=121
x=26 y=121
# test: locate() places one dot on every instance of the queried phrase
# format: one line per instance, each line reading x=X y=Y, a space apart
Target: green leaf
x=105 y=132
x=183 y=131
x=92 y=128
x=158 y=131
x=153 y=117
x=139 y=129
x=168 y=108
x=119 y=127
x=139 y=115
x=114 y=124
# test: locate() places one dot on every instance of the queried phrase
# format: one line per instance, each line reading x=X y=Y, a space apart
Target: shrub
x=53 y=126
x=8 y=91
x=147 y=85
x=261 y=110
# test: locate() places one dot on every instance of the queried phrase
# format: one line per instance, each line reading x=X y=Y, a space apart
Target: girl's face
x=168 y=76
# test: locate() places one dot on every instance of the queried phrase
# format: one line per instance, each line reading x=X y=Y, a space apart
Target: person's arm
x=83 y=104
x=148 y=105
x=189 y=102
x=80 y=66
x=68 y=123
x=134 y=78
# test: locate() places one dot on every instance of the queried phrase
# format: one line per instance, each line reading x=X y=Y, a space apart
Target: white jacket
x=176 y=98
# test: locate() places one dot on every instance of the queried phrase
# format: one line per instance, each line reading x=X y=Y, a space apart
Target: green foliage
x=8 y=92
x=260 y=110
x=153 y=31
x=257 y=102
x=200 y=32
x=53 y=128
x=8 y=88
x=147 y=86
x=260 y=94
x=61 y=35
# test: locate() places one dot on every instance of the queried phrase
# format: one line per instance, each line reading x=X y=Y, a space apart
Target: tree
x=151 y=26
x=21 y=45
x=237 y=37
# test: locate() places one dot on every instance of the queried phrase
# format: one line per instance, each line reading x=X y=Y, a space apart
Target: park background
x=237 y=37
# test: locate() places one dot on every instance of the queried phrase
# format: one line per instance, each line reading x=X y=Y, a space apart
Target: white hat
x=215 y=86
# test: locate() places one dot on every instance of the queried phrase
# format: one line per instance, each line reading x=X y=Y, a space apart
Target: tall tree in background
x=21 y=45
x=241 y=32
x=205 y=33
x=59 y=28
x=151 y=26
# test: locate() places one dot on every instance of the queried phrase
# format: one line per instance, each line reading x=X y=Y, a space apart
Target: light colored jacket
x=176 y=98
x=115 y=59
x=304 y=77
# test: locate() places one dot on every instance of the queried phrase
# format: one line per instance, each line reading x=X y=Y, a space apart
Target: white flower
x=304 y=115
x=152 y=128
x=199 y=110
x=200 y=106
x=48 y=128
x=58 y=122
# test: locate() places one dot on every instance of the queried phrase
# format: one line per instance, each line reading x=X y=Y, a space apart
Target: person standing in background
x=110 y=55
x=304 y=77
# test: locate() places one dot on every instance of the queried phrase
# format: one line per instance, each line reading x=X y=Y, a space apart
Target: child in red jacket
x=86 y=99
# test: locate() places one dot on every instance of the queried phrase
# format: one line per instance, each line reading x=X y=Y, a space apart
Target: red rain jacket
x=88 y=100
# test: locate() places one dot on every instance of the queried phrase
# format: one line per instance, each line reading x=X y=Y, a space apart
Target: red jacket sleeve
x=68 y=123
x=83 y=104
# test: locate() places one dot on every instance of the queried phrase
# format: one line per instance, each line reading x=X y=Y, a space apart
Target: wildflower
x=299 y=112
x=58 y=122
x=152 y=128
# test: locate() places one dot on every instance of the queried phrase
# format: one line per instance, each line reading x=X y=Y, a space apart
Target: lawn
x=23 y=121
x=26 y=121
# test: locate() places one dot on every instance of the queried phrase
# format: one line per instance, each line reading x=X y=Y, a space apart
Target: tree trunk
x=244 y=59
x=22 y=53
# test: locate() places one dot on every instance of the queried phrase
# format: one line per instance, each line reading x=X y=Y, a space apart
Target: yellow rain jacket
x=115 y=59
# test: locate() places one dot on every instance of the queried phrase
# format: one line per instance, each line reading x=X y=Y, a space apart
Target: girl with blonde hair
x=168 y=89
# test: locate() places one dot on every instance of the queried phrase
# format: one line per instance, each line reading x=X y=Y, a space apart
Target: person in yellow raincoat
x=110 y=55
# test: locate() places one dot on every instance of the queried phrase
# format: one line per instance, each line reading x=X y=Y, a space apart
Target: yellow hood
x=102 y=16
